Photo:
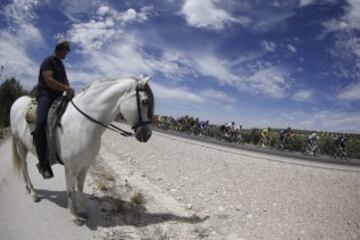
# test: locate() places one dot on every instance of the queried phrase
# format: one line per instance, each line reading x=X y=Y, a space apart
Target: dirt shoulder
x=246 y=195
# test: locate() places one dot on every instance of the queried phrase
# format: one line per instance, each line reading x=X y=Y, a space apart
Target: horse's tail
x=16 y=159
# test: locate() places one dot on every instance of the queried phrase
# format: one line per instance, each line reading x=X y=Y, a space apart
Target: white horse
x=79 y=138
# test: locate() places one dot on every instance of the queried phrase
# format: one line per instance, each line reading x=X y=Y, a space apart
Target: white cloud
x=346 y=27
x=325 y=120
x=351 y=92
x=208 y=14
x=217 y=95
x=21 y=11
x=334 y=120
x=177 y=93
x=304 y=3
x=272 y=82
x=16 y=61
x=268 y=46
x=107 y=26
x=291 y=48
x=259 y=78
x=92 y=35
x=103 y=10
x=349 y=21
x=15 y=41
x=303 y=95
x=207 y=64
x=126 y=56
x=270 y=20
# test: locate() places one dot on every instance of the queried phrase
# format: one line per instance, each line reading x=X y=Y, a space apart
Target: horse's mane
x=112 y=80
x=108 y=80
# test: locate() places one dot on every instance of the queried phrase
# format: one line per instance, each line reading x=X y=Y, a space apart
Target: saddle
x=55 y=113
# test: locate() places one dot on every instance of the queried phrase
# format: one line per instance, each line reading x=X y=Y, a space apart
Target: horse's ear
x=145 y=80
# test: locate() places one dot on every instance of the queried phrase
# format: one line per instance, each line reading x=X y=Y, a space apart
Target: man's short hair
x=62 y=44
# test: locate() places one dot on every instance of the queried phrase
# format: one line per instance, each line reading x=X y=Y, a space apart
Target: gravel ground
x=173 y=188
x=202 y=191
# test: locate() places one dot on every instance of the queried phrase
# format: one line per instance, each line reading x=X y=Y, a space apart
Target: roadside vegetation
x=253 y=135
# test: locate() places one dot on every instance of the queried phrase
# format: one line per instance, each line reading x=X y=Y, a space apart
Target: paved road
x=325 y=159
x=21 y=218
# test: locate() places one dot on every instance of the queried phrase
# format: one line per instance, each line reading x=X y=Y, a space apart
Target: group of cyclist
x=231 y=132
x=312 y=141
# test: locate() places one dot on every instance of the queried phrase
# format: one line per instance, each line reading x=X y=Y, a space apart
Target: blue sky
x=258 y=63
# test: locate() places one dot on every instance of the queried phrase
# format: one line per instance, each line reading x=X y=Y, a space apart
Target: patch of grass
x=102 y=183
x=107 y=175
x=138 y=199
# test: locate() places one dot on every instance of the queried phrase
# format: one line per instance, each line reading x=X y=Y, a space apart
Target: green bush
x=255 y=136
x=10 y=90
x=354 y=146
x=214 y=131
x=297 y=142
x=327 y=145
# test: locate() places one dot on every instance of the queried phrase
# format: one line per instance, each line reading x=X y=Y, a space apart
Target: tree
x=10 y=90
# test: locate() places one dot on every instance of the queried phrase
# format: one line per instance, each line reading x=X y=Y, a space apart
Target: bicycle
x=312 y=150
x=342 y=153
x=264 y=143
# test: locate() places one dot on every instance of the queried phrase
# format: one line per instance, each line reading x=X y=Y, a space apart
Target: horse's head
x=138 y=109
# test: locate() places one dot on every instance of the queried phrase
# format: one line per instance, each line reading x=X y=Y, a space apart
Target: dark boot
x=41 y=149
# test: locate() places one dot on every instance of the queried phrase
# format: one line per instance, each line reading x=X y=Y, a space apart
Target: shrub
x=297 y=142
x=10 y=90
x=214 y=131
x=354 y=146
x=138 y=199
x=327 y=145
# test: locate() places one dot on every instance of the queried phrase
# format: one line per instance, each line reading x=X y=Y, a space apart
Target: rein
x=111 y=127
x=114 y=128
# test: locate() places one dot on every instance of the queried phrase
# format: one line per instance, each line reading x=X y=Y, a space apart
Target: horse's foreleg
x=70 y=186
x=79 y=193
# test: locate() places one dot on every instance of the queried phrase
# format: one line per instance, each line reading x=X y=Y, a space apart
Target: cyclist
x=340 y=142
x=313 y=141
x=265 y=137
x=285 y=136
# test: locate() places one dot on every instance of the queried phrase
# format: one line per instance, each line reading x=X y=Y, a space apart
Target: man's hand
x=53 y=84
x=70 y=92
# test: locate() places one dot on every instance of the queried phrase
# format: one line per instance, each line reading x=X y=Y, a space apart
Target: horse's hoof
x=79 y=222
x=83 y=215
x=35 y=198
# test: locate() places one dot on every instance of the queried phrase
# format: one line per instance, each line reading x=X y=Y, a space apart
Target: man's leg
x=44 y=103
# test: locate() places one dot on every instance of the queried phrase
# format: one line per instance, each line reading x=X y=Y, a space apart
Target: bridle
x=140 y=123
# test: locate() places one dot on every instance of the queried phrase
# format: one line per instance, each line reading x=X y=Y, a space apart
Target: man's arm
x=67 y=80
x=53 y=84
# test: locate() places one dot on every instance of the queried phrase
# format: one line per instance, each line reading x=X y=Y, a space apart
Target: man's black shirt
x=57 y=67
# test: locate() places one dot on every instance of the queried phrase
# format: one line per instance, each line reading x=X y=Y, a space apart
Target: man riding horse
x=52 y=83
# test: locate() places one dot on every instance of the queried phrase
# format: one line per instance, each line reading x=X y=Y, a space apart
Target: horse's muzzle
x=143 y=134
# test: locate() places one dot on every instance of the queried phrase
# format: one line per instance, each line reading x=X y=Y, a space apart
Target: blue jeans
x=44 y=102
